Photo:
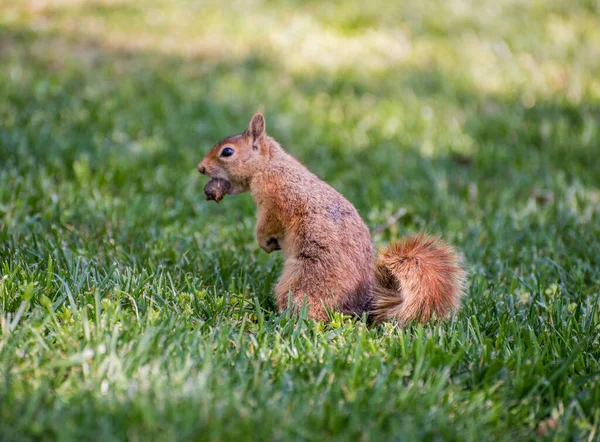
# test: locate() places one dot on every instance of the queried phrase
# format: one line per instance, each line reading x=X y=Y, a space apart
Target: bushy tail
x=416 y=278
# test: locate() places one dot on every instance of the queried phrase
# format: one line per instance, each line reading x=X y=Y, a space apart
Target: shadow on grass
x=192 y=100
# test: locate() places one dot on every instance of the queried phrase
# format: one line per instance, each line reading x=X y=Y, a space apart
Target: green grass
x=130 y=308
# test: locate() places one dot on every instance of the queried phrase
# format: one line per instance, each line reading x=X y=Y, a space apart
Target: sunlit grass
x=503 y=48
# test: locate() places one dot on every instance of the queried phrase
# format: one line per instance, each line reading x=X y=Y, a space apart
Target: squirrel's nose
x=201 y=169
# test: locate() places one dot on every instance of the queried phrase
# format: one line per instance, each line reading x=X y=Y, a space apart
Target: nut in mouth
x=216 y=189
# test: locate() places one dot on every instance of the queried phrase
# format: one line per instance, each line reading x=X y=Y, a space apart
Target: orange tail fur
x=416 y=278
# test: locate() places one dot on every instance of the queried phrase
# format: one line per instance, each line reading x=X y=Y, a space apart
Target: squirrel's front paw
x=270 y=245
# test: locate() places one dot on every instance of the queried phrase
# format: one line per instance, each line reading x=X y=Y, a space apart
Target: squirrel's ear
x=256 y=128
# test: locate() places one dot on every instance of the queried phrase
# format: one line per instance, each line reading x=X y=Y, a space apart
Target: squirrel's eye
x=227 y=152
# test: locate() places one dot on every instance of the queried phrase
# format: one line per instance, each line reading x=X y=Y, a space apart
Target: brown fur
x=329 y=258
x=417 y=278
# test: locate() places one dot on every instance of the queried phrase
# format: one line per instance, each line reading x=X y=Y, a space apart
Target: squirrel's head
x=237 y=158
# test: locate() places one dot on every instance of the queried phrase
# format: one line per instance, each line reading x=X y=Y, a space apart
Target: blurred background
x=472 y=115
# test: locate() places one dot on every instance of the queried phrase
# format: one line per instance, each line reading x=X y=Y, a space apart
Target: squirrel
x=329 y=261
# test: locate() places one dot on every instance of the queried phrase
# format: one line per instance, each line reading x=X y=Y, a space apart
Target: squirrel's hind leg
x=300 y=286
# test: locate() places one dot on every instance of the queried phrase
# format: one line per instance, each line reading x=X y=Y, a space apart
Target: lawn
x=131 y=308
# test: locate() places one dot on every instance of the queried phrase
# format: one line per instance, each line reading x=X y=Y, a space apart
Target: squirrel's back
x=327 y=246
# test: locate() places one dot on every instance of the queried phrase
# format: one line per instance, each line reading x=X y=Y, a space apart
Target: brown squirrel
x=329 y=259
